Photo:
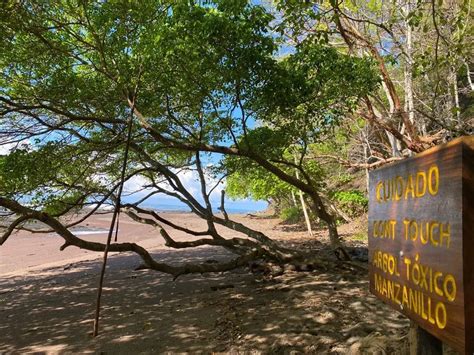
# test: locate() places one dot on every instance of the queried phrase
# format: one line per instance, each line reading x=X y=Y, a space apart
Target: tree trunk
x=303 y=205
x=306 y=215
x=293 y=198
x=367 y=154
x=469 y=80
x=330 y=222
x=409 y=102
x=457 y=106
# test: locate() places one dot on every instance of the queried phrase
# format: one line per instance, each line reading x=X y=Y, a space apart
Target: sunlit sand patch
x=86 y=232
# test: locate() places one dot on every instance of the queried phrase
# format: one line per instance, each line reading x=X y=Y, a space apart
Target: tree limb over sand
x=72 y=240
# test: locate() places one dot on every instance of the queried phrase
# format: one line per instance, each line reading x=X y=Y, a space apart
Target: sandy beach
x=25 y=251
x=47 y=299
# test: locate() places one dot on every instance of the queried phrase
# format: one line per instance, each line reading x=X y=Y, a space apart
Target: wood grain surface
x=421 y=240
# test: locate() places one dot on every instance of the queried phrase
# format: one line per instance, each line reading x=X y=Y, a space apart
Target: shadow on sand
x=145 y=311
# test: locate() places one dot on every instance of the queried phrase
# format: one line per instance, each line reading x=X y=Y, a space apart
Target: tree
x=421 y=48
x=173 y=84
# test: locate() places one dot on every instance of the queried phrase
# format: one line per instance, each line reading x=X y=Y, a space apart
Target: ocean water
x=236 y=207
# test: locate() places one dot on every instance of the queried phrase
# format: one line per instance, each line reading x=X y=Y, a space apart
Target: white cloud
x=134 y=190
x=189 y=178
x=6 y=148
x=135 y=183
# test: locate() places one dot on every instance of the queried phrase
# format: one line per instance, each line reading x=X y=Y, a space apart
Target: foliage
x=353 y=202
x=291 y=215
x=423 y=51
x=255 y=183
x=193 y=82
x=361 y=236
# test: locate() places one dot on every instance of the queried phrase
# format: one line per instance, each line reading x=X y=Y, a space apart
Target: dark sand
x=47 y=300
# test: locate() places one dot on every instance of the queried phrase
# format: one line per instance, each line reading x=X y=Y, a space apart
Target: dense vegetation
x=423 y=51
x=288 y=101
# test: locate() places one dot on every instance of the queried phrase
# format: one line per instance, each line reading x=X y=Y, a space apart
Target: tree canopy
x=198 y=83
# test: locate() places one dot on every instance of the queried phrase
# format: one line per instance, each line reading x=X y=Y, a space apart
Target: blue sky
x=191 y=181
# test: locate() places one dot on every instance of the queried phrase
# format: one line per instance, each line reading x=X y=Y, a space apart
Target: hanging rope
x=112 y=224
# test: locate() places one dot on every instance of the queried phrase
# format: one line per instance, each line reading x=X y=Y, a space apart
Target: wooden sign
x=421 y=240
